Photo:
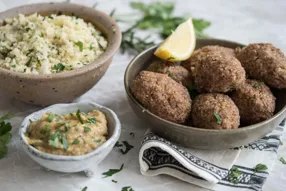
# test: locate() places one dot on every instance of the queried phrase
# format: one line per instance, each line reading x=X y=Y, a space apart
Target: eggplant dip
x=68 y=134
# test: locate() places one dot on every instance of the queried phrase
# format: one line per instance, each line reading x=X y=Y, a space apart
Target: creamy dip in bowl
x=86 y=150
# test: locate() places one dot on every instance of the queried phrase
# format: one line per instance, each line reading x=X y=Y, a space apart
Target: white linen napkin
x=211 y=169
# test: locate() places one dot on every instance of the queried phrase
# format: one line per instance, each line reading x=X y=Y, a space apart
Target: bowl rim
x=109 y=142
x=185 y=127
x=107 y=54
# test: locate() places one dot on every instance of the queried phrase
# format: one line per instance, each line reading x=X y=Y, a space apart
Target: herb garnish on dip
x=69 y=134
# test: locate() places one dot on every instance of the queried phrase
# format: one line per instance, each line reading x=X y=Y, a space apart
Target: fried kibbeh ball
x=162 y=96
x=175 y=71
x=255 y=102
x=262 y=61
x=214 y=111
x=190 y=63
x=217 y=72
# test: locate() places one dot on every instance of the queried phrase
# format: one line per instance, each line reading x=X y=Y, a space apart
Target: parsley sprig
x=5 y=135
x=111 y=172
x=158 y=16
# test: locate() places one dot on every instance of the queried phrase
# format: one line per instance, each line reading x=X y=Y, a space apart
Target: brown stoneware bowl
x=196 y=137
x=65 y=86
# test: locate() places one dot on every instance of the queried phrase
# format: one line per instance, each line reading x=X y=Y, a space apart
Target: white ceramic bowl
x=69 y=164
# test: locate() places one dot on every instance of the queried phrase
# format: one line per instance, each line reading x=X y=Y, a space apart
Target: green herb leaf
x=155 y=15
x=28 y=63
x=6 y=117
x=128 y=147
x=75 y=142
x=79 y=116
x=5 y=127
x=218 y=118
x=97 y=140
x=282 y=160
x=43 y=131
x=65 y=142
x=114 y=181
x=117 y=144
x=80 y=45
x=67 y=125
x=235 y=173
x=91 y=120
x=3 y=150
x=59 y=67
x=54 y=142
x=86 y=129
x=127 y=188
x=84 y=189
x=51 y=117
x=257 y=86
x=260 y=167
x=111 y=172
x=6 y=138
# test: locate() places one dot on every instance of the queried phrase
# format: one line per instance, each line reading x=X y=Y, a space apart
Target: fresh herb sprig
x=5 y=135
x=159 y=16
x=123 y=145
x=111 y=172
x=282 y=160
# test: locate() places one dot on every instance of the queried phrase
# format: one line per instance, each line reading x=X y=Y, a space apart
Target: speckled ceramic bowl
x=196 y=137
x=66 y=86
x=69 y=164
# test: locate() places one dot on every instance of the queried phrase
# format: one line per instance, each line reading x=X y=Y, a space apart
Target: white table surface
x=242 y=21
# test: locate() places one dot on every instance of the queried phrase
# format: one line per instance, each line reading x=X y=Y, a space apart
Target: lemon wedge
x=180 y=44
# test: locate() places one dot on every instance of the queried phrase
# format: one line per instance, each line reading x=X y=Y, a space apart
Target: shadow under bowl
x=197 y=137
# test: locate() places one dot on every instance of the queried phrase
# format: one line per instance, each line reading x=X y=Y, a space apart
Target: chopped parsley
x=43 y=131
x=91 y=120
x=218 y=118
x=97 y=140
x=128 y=147
x=5 y=135
x=75 y=142
x=86 y=129
x=67 y=126
x=235 y=173
x=51 y=117
x=84 y=189
x=54 y=142
x=79 y=116
x=30 y=120
x=111 y=172
x=127 y=188
x=28 y=63
x=90 y=47
x=65 y=142
x=59 y=67
x=260 y=167
x=80 y=45
x=117 y=144
x=256 y=85
x=114 y=181
x=282 y=160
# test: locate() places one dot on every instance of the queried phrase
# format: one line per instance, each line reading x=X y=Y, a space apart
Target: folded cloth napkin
x=224 y=170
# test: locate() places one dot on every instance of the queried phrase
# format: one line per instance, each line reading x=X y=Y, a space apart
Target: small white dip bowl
x=70 y=164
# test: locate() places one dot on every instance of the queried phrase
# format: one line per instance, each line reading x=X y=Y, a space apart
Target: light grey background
x=243 y=21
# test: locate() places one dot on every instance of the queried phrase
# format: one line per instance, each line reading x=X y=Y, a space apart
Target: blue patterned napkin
x=224 y=170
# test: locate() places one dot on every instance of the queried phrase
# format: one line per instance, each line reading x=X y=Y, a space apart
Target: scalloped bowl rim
x=111 y=140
